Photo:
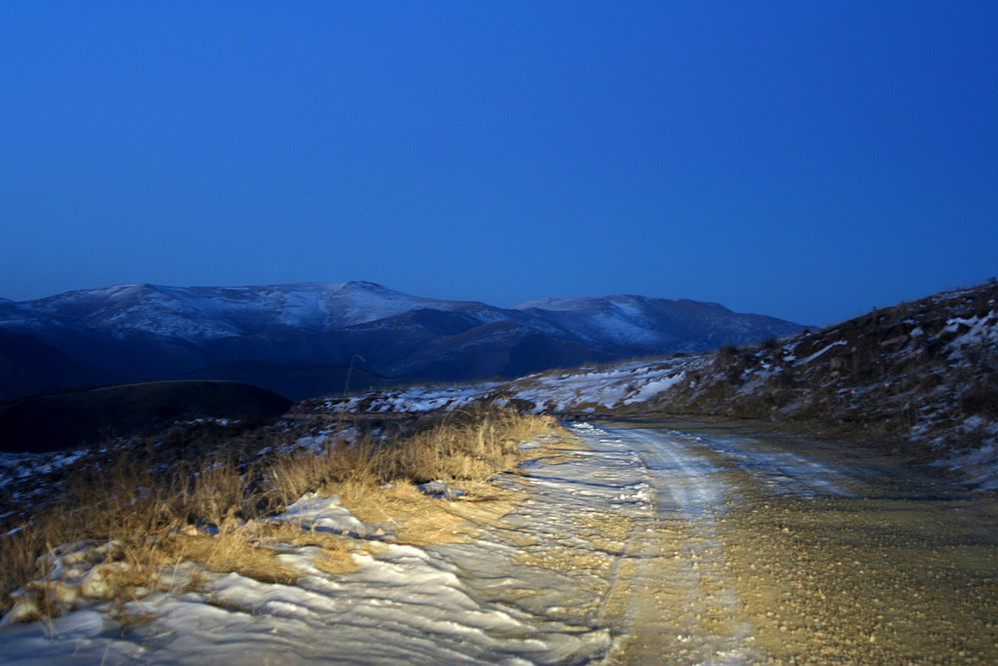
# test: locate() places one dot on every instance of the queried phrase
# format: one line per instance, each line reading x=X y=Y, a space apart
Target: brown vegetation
x=898 y=375
x=122 y=522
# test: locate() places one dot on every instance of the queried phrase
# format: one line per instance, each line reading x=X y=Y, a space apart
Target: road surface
x=706 y=544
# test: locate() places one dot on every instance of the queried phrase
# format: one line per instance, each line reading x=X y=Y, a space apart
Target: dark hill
x=28 y=366
x=295 y=381
x=52 y=422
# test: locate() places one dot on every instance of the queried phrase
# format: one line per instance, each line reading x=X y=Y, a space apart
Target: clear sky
x=807 y=160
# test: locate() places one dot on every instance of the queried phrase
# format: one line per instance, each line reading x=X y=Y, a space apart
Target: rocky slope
x=925 y=372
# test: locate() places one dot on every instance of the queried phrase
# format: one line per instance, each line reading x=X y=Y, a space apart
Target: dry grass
x=417 y=519
x=466 y=446
x=128 y=522
x=377 y=480
x=231 y=551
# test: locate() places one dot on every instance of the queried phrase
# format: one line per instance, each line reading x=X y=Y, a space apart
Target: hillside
x=918 y=370
x=294 y=381
x=919 y=379
x=28 y=365
x=67 y=420
x=371 y=508
x=293 y=339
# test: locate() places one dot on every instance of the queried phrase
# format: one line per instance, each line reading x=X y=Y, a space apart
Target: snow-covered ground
x=403 y=604
x=615 y=553
x=589 y=390
x=536 y=587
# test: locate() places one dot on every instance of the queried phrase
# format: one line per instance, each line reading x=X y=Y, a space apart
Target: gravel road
x=700 y=543
x=773 y=549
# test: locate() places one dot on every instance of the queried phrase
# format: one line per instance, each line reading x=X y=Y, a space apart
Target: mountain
x=670 y=325
x=271 y=335
x=917 y=380
x=30 y=366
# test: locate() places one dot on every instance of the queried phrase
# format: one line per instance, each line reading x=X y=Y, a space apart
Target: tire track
x=671 y=595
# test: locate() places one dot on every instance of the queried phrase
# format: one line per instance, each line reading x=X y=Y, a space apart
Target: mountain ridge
x=918 y=380
x=147 y=332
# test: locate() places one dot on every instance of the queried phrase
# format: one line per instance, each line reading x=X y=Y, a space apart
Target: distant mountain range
x=309 y=339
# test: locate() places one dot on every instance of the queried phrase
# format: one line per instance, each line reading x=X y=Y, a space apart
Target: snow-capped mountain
x=143 y=332
x=680 y=325
x=918 y=379
x=197 y=314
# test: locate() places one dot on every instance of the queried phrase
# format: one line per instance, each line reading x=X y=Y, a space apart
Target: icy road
x=660 y=544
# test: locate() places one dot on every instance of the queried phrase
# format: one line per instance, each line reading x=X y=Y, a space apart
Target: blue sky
x=805 y=160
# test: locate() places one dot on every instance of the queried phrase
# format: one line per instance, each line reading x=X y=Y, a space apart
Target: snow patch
x=816 y=354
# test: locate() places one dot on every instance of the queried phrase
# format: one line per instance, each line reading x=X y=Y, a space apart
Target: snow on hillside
x=925 y=373
x=587 y=390
x=198 y=314
x=617 y=318
x=201 y=313
x=410 y=400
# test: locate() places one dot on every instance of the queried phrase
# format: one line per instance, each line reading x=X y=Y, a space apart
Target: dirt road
x=777 y=549
x=706 y=544
x=669 y=543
